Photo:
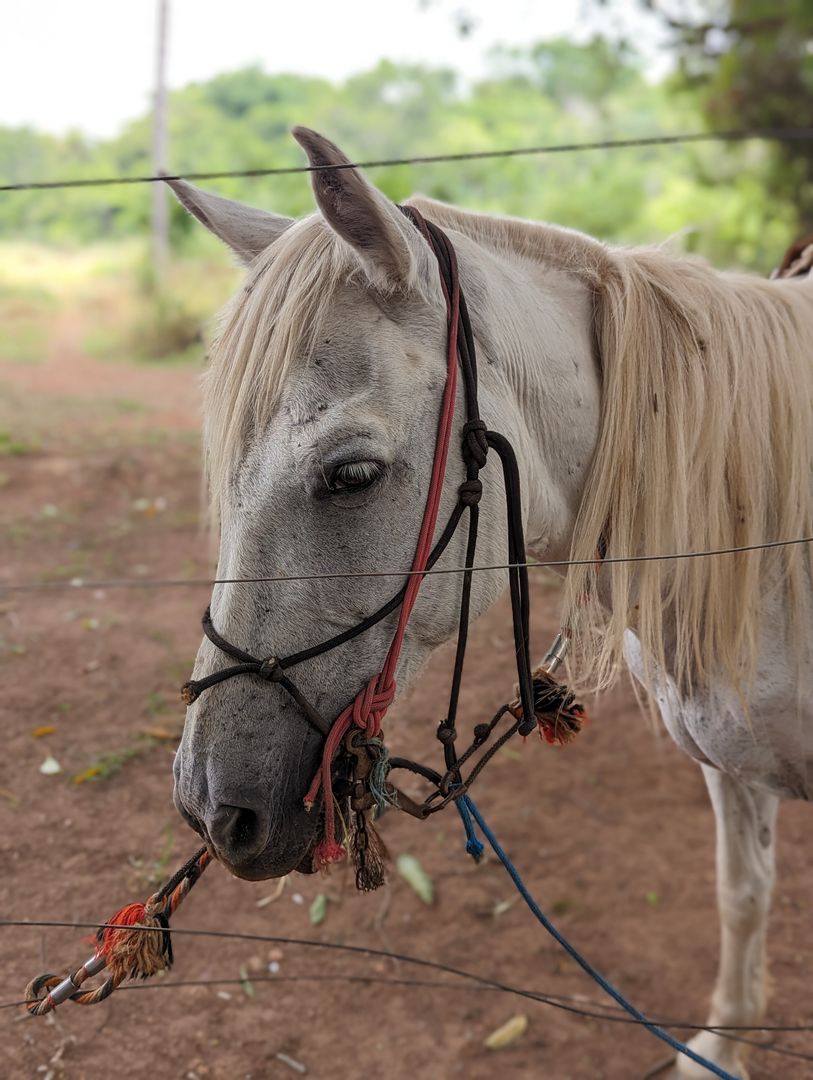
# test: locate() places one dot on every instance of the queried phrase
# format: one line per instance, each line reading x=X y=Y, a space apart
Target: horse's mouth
x=306 y=865
x=266 y=866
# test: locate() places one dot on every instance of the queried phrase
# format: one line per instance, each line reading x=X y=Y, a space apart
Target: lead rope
x=468 y=810
x=124 y=945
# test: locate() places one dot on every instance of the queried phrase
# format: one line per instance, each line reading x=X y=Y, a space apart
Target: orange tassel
x=133 y=954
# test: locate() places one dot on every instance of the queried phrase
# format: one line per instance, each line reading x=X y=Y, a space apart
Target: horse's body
x=650 y=401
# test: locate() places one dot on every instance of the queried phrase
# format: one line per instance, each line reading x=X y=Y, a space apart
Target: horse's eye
x=355 y=475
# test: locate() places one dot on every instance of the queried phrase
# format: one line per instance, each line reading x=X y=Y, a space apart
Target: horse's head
x=320 y=421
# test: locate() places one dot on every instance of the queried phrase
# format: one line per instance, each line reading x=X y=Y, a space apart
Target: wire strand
x=166 y=583
x=735 y=135
x=569 y=1003
x=615 y=1014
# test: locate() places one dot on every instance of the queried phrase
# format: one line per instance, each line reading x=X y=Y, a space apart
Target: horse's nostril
x=237 y=832
x=245 y=825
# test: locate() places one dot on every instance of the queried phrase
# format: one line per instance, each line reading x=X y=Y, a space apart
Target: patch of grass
x=167 y=328
x=562 y=907
x=130 y=408
x=138 y=319
x=153 y=872
x=25 y=313
x=110 y=764
x=156 y=704
x=11 y=446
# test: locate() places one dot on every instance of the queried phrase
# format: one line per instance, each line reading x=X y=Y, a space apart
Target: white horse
x=653 y=404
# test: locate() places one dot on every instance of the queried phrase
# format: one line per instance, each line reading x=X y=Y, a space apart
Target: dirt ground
x=99 y=478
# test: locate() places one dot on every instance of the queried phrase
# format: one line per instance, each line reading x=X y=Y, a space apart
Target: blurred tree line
x=735 y=204
x=751 y=64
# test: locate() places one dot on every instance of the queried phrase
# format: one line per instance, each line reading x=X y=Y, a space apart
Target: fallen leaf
x=45 y=729
x=87 y=774
x=245 y=982
x=50 y=767
x=162 y=733
x=562 y=907
x=416 y=877
x=318 y=909
x=512 y=1029
x=502 y=906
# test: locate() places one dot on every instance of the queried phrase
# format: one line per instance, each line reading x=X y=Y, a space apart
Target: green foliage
x=750 y=63
x=722 y=201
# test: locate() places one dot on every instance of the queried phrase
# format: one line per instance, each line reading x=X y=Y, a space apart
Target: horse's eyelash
x=357 y=471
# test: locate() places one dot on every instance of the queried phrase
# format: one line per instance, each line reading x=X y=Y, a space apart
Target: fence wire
x=572 y=1004
x=778 y=135
x=166 y=583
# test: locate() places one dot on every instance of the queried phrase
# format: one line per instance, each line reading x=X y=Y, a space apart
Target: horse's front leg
x=745 y=821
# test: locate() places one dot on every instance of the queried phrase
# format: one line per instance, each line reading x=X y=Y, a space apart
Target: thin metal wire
x=166 y=583
x=568 y=1003
x=562 y=1001
x=736 y=135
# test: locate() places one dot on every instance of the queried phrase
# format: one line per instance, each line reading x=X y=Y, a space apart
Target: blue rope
x=474 y=846
x=470 y=811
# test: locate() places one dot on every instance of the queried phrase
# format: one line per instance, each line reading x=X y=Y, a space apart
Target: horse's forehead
x=365 y=346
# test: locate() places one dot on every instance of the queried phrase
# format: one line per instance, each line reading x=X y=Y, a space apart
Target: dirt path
x=614 y=834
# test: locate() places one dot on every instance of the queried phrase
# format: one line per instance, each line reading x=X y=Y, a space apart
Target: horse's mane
x=705 y=443
x=267 y=326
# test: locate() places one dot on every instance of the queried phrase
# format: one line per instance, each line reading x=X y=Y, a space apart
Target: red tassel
x=562 y=728
x=109 y=937
x=329 y=851
x=134 y=954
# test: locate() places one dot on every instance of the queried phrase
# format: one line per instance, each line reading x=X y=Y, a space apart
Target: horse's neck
x=539 y=378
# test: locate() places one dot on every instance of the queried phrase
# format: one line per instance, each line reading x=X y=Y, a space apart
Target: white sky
x=88 y=64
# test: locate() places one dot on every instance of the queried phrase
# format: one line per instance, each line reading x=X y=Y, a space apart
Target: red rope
x=370 y=706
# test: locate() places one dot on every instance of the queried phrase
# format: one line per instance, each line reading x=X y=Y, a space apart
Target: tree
x=752 y=62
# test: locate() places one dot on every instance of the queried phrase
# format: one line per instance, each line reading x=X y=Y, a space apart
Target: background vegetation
x=740 y=63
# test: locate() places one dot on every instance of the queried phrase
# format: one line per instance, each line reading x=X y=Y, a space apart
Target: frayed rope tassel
x=559 y=716
x=134 y=944
x=369 y=853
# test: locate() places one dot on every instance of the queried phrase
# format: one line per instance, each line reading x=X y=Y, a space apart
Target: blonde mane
x=705 y=440
x=705 y=443
x=267 y=327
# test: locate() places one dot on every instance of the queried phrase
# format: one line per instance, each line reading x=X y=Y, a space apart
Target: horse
x=656 y=406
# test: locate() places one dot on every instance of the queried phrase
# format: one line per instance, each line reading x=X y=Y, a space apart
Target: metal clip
x=556 y=654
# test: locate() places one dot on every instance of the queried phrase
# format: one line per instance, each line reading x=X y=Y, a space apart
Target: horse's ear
x=360 y=213
x=247 y=231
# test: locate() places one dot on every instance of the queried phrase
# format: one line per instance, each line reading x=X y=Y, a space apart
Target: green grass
x=25 y=315
x=12 y=446
x=108 y=765
x=109 y=291
x=154 y=872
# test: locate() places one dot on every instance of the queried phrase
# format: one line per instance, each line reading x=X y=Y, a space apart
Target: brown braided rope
x=134 y=944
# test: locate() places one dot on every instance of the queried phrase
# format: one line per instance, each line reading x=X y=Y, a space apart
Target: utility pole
x=160 y=208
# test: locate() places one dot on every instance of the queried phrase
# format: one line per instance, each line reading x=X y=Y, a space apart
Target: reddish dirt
x=614 y=834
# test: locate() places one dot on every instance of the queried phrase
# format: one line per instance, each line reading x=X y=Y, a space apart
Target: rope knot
x=470 y=492
x=371 y=705
x=475 y=445
x=270 y=669
x=189 y=693
x=446 y=733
